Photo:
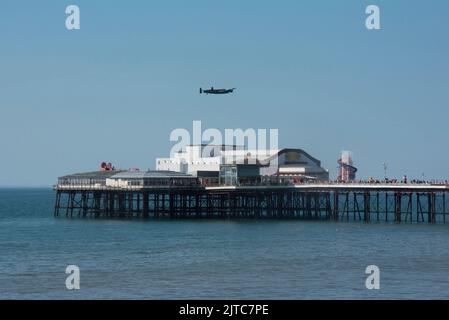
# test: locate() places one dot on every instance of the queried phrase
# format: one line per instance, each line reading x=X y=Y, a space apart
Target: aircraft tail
x=201 y=90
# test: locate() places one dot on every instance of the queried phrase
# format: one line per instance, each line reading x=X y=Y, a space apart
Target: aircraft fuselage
x=217 y=91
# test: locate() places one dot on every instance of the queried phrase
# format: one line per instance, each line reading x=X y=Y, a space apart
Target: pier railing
x=321 y=184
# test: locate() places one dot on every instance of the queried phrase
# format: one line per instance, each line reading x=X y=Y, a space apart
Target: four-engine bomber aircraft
x=217 y=91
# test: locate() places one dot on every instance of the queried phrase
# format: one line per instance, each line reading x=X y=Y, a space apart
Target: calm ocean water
x=135 y=259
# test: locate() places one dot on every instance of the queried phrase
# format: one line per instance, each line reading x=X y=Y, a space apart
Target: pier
x=365 y=202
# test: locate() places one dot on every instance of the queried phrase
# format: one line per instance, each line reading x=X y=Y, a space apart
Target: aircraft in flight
x=217 y=91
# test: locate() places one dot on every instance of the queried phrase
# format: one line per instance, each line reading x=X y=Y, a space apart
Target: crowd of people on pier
x=284 y=181
x=387 y=181
x=404 y=180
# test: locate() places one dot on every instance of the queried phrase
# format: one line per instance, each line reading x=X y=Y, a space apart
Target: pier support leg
x=398 y=207
x=57 y=203
x=367 y=206
x=336 y=206
x=145 y=212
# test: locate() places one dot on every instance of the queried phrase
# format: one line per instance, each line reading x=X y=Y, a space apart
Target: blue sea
x=163 y=259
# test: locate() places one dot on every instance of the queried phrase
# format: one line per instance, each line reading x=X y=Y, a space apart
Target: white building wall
x=117 y=183
x=231 y=156
x=201 y=158
x=191 y=160
x=195 y=167
x=169 y=164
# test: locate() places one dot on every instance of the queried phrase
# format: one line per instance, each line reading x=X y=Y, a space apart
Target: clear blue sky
x=114 y=90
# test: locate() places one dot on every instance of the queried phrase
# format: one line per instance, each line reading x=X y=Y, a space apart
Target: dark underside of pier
x=400 y=206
